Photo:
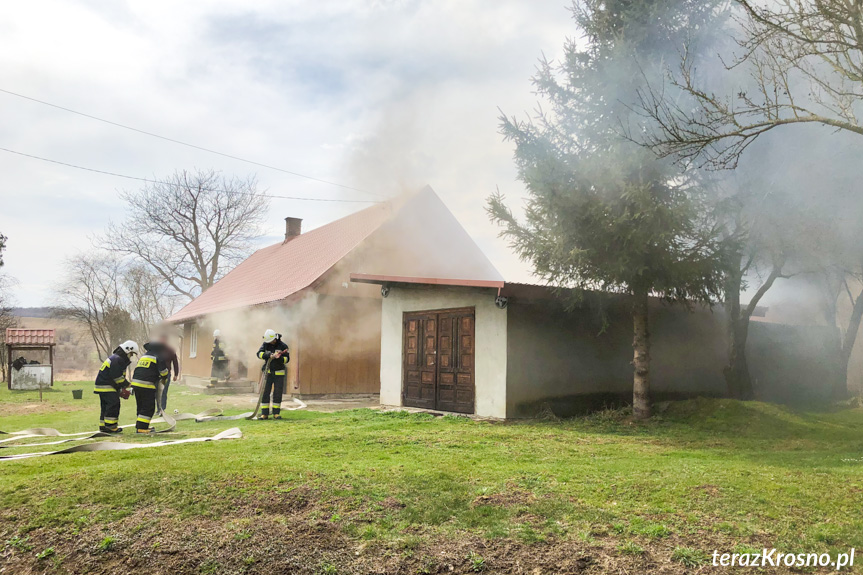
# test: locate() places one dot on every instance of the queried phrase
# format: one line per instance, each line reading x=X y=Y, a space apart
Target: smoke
x=388 y=159
x=312 y=317
x=802 y=183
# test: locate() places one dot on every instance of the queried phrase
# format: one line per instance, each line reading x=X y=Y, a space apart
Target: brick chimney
x=293 y=228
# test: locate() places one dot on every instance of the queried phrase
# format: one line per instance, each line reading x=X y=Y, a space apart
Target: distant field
x=369 y=492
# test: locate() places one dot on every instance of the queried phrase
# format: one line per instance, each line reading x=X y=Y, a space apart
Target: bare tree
x=91 y=293
x=148 y=298
x=114 y=298
x=192 y=228
x=762 y=231
x=835 y=284
x=7 y=320
x=804 y=62
x=839 y=274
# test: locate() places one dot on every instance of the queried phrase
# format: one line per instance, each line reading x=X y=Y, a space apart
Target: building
x=397 y=299
x=504 y=350
x=301 y=288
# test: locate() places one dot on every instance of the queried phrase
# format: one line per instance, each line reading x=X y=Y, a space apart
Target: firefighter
x=276 y=352
x=220 y=359
x=111 y=382
x=152 y=369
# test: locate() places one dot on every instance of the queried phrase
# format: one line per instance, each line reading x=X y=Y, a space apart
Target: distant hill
x=43 y=312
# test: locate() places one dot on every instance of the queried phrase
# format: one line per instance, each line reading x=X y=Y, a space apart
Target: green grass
x=703 y=469
x=689 y=557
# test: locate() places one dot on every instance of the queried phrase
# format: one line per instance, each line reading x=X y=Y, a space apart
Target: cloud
x=376 y=94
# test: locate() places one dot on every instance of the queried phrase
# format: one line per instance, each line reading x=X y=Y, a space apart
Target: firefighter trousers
x=110 y=408
x=276 y=386
x=221 y=369
x=145 y=398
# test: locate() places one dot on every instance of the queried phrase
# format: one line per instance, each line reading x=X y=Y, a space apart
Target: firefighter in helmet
x=111 y=383
x=220 y=369
x=152 y=370
x=275 y=354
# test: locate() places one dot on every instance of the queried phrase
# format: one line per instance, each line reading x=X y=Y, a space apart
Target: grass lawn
x=369 y=492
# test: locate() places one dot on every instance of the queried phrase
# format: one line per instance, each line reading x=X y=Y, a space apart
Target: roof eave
x=404 y=280
x=287 y=299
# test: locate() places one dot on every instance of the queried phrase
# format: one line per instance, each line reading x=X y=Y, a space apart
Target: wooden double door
x=438 y=360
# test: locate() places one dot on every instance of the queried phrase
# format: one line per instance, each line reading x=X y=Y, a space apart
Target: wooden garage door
x=439 y=360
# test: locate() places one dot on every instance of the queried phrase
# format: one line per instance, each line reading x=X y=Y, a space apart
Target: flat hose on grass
x=262 y=382
x=83 y=435
x=171 y=420
x=232 y=433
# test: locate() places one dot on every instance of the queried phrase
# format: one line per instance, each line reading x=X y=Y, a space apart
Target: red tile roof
x=275 y=272
x=412 y=236
x=17 y=336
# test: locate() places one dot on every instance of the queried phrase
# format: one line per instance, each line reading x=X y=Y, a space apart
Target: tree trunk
x=839 y=389
x=840 y=384
x=641 y=357
x=736 y=372
x=737 y=376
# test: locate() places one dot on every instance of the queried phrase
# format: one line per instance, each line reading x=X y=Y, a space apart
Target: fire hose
x=262 y=382
x=206 y=415
x=232 y=433
x=171 y=420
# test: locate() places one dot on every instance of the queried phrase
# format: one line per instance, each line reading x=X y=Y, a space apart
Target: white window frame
x=193 y=341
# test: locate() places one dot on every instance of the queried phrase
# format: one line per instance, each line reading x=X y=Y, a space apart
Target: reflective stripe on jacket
x=112 y=375
x=150 y=369
x=277 y=364
x=218 y=353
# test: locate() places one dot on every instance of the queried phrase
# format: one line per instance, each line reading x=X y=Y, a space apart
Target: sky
x=381 y=95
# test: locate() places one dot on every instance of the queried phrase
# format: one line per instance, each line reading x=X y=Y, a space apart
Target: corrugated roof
x=275 y=272
x=16 y=336
x=413 y=236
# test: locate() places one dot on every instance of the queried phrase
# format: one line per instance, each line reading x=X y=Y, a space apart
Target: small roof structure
x=18 y=339
x=36 y=338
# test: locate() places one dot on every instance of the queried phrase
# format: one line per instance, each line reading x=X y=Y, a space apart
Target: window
x=193 y=341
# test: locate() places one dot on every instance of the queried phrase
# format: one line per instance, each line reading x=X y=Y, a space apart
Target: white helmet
x=217 y=333
x=130 y=347
x=269 y=336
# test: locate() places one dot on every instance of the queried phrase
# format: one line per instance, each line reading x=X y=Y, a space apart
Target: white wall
x=31 y=377
x=490 y=347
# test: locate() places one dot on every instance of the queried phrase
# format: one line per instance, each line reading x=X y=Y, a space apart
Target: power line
x=179 y=185
x=186 y=143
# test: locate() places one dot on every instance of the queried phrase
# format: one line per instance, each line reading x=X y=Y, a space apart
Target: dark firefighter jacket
x=112 y=375
x=151 y=366
x=277 y=365
x=218 y=353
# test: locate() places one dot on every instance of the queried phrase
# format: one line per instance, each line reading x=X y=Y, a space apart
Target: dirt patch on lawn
x=288 y=533
x=506 y=499
x=36 y=408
